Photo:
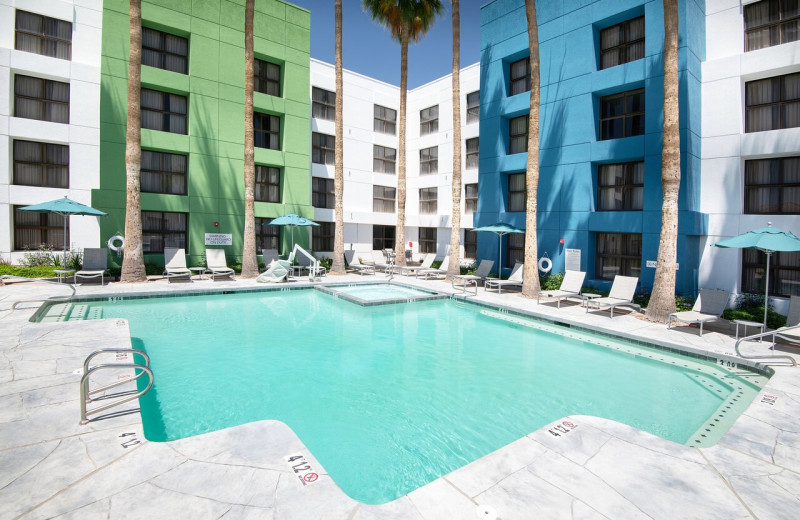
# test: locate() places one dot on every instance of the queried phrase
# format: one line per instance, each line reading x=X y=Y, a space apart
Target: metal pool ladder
x=772 y=333
x=121 y=397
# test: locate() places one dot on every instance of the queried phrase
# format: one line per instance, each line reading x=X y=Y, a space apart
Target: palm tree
x=338 y=178
x=662 y=299
x=408 y=20
x=133 y=261
x=530 y=275
x=454 y=268
x=249 y=259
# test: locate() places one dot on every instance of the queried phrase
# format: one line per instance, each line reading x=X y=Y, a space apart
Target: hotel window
x=622 y=43
x=618 y=254
x=41 y=164
x=770 y=22
x=427 y=240
x=429 y=160
x=323 y=104
x=470 y=244
x=772 y=186
x=622 y=115
x=772 y=103
x=163 y=111
x=323 y=148
x=322 y=236
x=163 y=173
x=42 y=99
x=520 y=76
x=470 y=198
x=161 y=229
x=267 y=237
x=620 y=187
x=383 y=159
x=32 y=230
x=428 y=199
x=518 y=135
x=268 y=184
x=43 y=35
x=267 y=131
x=429 y=120
x=515 y=249
x=516 y=192
x=266 y=77
x=383 y=198
x=383 y=237
x=385 y=120
x=784 y=273
x=472 y=153
x=474 y=106
x=164 y=51
x=322 y=193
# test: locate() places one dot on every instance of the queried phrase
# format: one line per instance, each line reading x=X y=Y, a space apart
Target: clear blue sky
x=368 y=48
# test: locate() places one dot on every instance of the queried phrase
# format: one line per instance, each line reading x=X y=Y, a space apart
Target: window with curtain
x=474 y=107
x=470 y=198
x=520 y=76
x=428 y=201
x=163 y=172
x=622 y=115
x=772 y=103
x=383 y=237
x=383 y=198
x=41 y=164
x=622 y=43
x=472 y=153
x=323 y=104
x=784 y=273
x=163 y=111
x=266 y=77
x=322 y=193
x=323 y=148
x=516 y=192
x=470 y=244
x=164 y=51
x=620 y=187
x=161 y=229
x=267 y=237
x=322 y=236
x=770 y=22
x=32 y=230
x=268 y=184
x=43 y=35
x=518 y=135
x=618 y=254
x=383 y=159
x=41 y=99
x=772 y=186
x=429 y=160
x=429 y=120
x=427 y=240
x=385 y=120
x=267 y=131
x=515 y=249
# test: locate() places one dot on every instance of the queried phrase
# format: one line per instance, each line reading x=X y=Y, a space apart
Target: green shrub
x=551 y=282
x=750 y=307
x=28 y=272
x=153 y=269
x=38 y=258
x=326 y=262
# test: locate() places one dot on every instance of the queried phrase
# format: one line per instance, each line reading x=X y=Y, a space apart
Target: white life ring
x=545 y=264
x=112 y=243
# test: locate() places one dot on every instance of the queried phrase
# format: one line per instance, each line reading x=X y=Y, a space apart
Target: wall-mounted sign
x=572 y=259
x=653 y=263
x=219 y=239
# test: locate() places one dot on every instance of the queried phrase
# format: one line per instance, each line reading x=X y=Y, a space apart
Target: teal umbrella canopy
x=292 y=221
x=499 y=229
x=64 y=207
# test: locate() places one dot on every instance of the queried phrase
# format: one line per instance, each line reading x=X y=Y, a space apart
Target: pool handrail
x=5 y=277
x=85 y=393
x=760 y=335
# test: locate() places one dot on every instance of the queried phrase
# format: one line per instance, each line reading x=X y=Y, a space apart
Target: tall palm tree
x=662 y=300
x=454 y=268
x=338 y=177
x=530 y=274
x=133 y=261
x=249 y=259
x=408 y=20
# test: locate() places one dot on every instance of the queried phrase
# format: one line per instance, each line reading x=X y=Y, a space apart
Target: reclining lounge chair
x=514 y=280
x=353 y=262
x=708 y=307
x=427 y=262
x=175 y=264
x=480 y=275
x=570 y=287
x=216 y=263
x=621 y=295
x=439 y=271
x=95 y=264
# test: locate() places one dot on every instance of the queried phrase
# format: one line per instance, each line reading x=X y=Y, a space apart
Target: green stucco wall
x=215 y=91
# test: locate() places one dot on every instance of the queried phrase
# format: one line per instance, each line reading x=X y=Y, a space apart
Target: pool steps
x=71 y=312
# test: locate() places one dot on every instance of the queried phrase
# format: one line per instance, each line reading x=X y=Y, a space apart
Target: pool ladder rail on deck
x=772 y=333
x=10 y=277
x=124 y=397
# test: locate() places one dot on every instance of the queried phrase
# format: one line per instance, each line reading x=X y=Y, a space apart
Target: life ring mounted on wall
x=116 y=243
x=545 y=264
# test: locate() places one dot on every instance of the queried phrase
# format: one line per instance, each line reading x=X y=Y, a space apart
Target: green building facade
x=193 y=123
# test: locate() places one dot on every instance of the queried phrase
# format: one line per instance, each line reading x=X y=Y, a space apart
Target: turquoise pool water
x=390 y=397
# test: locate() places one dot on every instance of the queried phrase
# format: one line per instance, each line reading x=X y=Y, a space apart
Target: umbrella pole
x=766 y=292
x=64 y=262
x=500 y=255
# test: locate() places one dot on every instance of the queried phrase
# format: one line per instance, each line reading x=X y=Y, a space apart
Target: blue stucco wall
x=570 y=149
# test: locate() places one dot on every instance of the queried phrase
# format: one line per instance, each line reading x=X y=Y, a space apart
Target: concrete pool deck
x=52 y=467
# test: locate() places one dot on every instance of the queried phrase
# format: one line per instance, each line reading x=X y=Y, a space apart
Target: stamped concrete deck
x=52 y=467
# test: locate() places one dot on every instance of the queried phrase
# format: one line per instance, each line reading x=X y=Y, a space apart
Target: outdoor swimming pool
x=391 y=397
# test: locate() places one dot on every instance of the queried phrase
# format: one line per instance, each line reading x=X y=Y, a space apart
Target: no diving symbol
x=310 y=477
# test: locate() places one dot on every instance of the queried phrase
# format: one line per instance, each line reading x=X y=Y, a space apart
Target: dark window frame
x=164 y=233
x=779 y=188
x=427 y=240
x=267 y=237
x=163 y=53
x=265 y=184
x=630 y=263
x=167 y=115
x=779 y=29
x=514 y=140
x=323 y=104
x=381 y=238
x=628 y=49
x=384 y=118
x=323 y=193
x=470 y=244
x=44 y=165
x=384 y=197
x=513 y=194
x=517 y=81
x=628 y=187
x=322 y=236
x=778 y=108
x=470 y=199
x=44 y=102
x=323 y=148
x=429 y=120
x=381 y=162
x=515 y=249
x=471 y=155
x=474 y=107
x=47 y=22
x=784 y=272
x=50 y=228
x=263 y=129
x=429 y=200
x=262 y=82
x=429 y=161
x=165 y=176
x=629 y=119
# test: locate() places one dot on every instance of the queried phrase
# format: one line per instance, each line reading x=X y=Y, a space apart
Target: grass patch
x=42 y=271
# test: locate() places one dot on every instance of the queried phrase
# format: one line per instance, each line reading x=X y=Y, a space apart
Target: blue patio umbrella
x=292 y=221
x=767 y=239
x=499 y=229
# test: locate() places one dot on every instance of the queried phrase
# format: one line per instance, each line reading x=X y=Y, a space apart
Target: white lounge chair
x=270 y=255
x=175 y=264
x=427 y=262
x=570 y=287
x=514 y=280
x=217 y=264
x=480 y=275
x=306 y=264
x=95 y=264
x=708 y=307
x=278 y=271
x=791 y=331
x=622 y=292
x=353 y=262
x=439 y=271
x=379 y=261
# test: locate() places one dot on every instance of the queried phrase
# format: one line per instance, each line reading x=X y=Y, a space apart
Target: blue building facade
x=601 y=120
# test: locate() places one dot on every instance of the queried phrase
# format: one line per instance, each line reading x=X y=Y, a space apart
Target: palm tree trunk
x=530 y=275
x=400 y=240
x=133 y=261
x=249 y=258
x=662 y=300
x=454 y=268
x=338 y=239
